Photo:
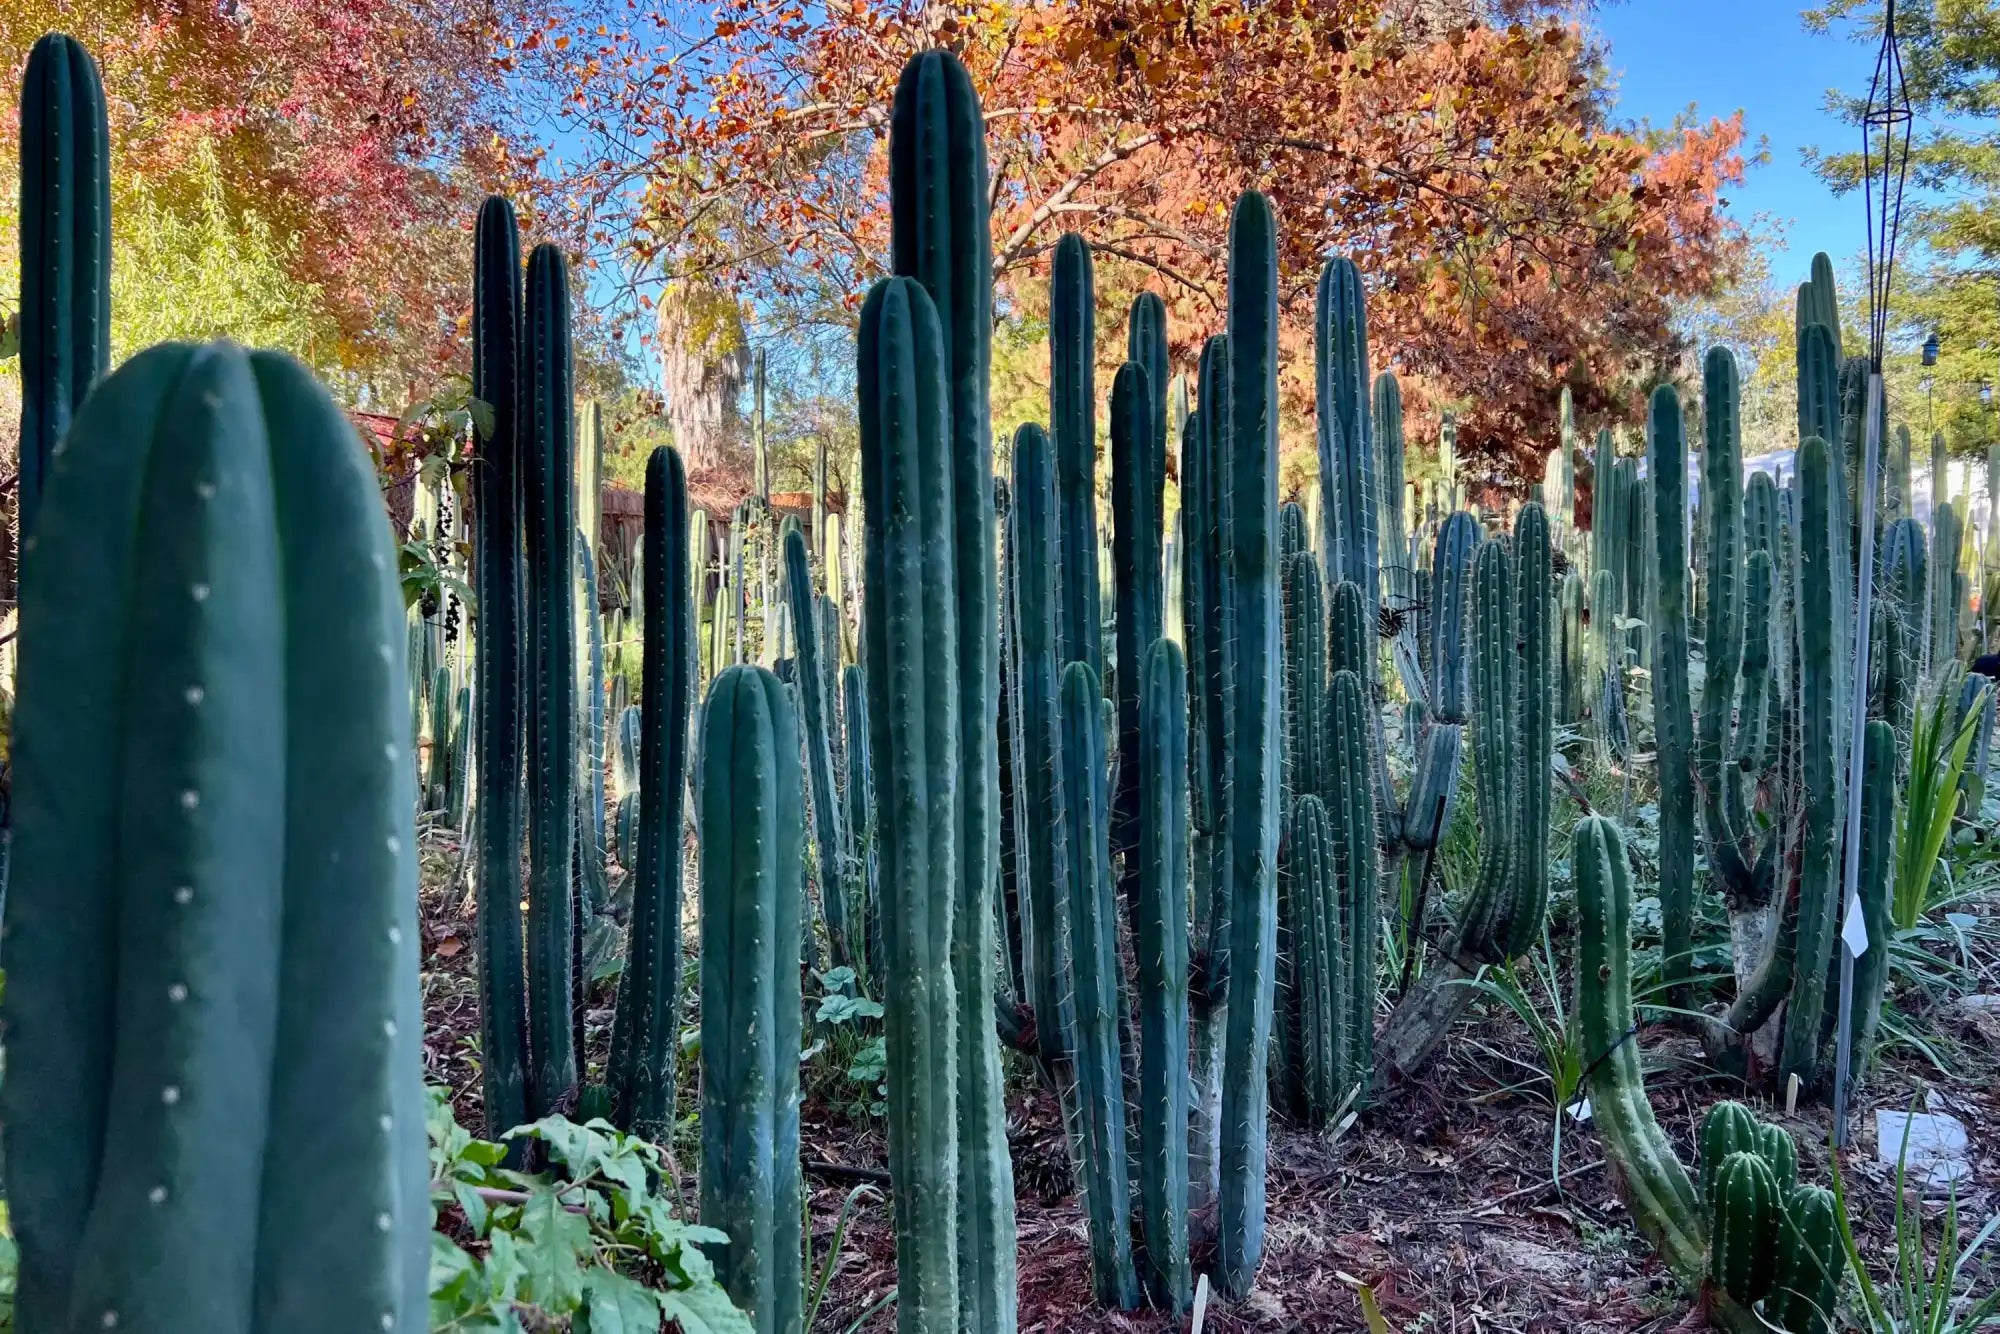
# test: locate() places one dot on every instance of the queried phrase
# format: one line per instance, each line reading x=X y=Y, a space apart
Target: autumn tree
x=1515 y=239
x=345 y=143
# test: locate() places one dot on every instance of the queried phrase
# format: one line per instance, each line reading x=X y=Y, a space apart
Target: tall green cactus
x=1305 y=742
x=500 y=576
x=1350 y=800
x=1736 y=643
x=65 y=251
x=1946 y=583
x=549 y=503
x=645 y=1045
x=1572 y=650
x=1434 y=787
x=1251 y=779
x=242 y=805
x=1032 y=505
x=1496 y=767
x=594 y=888
x=1668 y=615
x=1146 y=344
x=1393 y=528
x=1137 y=479
x=1093 y=929
x=1204 y=450
x=1312 y=939
x=940 y=237
x=817 y=709
x=909 y=653
x=752 y=819
x=1073 y=424
x=859 y=826
x=1821 y=776
x=1160 y=947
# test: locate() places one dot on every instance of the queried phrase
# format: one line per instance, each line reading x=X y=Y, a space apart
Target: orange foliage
x=1514 y=238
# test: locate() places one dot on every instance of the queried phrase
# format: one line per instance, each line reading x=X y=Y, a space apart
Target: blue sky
x=1754 y=56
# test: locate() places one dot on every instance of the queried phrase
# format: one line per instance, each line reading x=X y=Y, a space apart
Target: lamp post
x=1885 y=149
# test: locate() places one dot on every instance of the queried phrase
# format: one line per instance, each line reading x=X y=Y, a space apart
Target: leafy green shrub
x=595 y=1242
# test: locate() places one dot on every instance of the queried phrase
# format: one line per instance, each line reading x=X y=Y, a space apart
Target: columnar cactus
x=65 y=251
x=1946 y=583
x=594 y=888
x=1822 y=779
x=499 y=576
x=1160 y=946
x=1352 y=828
x=940 y=237
x=1251 y=667
x=1572 y=651
x=645 y=1044
x=1138 y=475
x=243 y=806
x=1093 y=928
x=1146 y=344
x=1073 y=424
x=810 y=678
x=752 y=819
x=1496 y=767
x=549 y=503
x=859 y=826
x=1394 y=528
x=1313 y=941
x=1032 y=505
x=909 y=653
x=1672 y=725
x=1434 y=787
x=1204 y=447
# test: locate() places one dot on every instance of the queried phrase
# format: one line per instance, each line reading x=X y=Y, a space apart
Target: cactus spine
x=752 y=823
x=65 y=251
x=498 y=570
x=646 y=1040
x=550 y=505
x=1160 y=945
x=212 y=517
x=1672 y=727
x=910 y=637
x=1251 y=773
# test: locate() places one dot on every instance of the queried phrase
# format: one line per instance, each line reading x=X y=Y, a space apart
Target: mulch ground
x=1441 y=1197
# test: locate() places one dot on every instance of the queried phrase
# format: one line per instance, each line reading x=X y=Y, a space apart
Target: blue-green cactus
x=211 y=930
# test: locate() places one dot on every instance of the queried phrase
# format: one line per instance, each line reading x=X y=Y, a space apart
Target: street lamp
x=1930 y=353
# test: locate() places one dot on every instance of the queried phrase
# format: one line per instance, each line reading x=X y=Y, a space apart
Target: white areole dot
x=158 y=1195
x=199 y=592
x=185 y=894
x=177 y=993
x=206 y=490
x=170 y=1095
x=109 y=1320
x=394 y=844
x=190 y=799
x=389 y=1028
x=391 y=752
x=195 y=695
x=395 y=935
x=383 y=1222
x=388 y=1123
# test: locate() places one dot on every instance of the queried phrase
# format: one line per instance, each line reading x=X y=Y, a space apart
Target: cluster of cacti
x=1764 y=1250
x=210 y=514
